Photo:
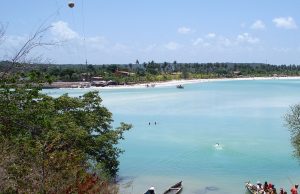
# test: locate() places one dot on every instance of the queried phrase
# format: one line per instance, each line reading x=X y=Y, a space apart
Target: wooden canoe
x=174 y=189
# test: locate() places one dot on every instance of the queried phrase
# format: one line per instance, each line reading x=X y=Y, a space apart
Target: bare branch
x=36 y=40
x=2 y=31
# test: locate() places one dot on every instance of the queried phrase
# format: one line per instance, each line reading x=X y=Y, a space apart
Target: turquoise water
x=244 y=117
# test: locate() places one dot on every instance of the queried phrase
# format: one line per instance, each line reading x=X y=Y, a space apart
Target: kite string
x=83 y=31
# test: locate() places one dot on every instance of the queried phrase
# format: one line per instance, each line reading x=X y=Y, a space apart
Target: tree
x=185 y=73
x=292 y=119
x=34 y=41
x=56 y=140
x=52 y=145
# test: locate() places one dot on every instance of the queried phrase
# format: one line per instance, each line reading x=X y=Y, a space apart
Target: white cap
x=151 y=188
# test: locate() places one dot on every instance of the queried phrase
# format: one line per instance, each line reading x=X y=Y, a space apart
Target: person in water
x=294 y=189
x=266 y=186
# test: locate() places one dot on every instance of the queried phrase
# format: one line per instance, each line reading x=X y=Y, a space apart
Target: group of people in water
x=269 y=188
x=154 y=123
x=151 y=85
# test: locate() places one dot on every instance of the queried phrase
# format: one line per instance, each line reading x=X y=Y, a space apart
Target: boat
x=251 y=189
x=180 y=86
x=174 y=189
x=151 y=190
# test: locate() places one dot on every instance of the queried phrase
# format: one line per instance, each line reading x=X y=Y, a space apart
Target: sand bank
x=184 y=82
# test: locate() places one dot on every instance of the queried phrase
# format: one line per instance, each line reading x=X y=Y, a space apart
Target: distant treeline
x=151 y=71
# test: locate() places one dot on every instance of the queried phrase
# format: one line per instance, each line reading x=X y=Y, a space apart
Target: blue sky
x=121 y=31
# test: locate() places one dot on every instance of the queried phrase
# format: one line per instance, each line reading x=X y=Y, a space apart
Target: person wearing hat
x=294 y=189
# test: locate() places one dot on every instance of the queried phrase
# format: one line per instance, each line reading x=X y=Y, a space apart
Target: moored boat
x=180 y=86
x=174 y=189
x=151 y=190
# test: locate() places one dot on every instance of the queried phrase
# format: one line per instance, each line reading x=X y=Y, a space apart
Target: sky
x=123 y=31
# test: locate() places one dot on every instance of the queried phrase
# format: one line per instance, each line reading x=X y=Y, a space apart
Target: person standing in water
x=294 y=189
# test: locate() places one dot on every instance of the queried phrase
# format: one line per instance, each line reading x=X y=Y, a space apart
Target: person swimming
x=218 y=146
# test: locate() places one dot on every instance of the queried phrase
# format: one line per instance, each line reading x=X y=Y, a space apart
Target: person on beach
x=294 y=189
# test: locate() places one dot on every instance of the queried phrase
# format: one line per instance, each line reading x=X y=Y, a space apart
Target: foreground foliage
x=292 y=119
x=52 y=145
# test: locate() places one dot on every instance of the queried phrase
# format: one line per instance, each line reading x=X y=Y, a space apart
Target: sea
x=212 y=136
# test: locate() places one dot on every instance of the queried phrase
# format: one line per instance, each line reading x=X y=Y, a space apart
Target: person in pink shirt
x=294 y=189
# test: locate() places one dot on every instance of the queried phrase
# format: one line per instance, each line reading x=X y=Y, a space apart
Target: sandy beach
x=183 y=82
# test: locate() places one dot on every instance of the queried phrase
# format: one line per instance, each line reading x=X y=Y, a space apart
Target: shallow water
x=244 y=117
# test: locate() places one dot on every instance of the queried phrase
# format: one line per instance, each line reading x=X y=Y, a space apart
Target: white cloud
x=149 y=48
x=258 y=25
x=172 y=46
x=198 y=41
x=184 y=30
x=121 y=47
x=15 y=41
x=211 y=35
x=96 y=42
x=62 y=31
x=282 y=50
x=285 y=22
x=206 y=44
x=225 y=41
x=247 y=38
x=219 y=41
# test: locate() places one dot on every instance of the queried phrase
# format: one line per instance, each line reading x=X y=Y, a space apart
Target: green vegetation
x=151 y=71
x=292 y=119
x=53 y=145
x=49 y=144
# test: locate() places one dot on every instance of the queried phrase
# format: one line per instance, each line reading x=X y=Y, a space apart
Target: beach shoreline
x=170 y=83
x=192 y=81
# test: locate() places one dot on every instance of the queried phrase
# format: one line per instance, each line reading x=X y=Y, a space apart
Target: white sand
x=183 y=82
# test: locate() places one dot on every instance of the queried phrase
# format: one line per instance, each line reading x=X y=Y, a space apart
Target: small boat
x=251 y=189
x=180 y=86
x=174 y=189
x=151 y=190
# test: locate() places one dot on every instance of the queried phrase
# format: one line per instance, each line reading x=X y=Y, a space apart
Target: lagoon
x=245 y=117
